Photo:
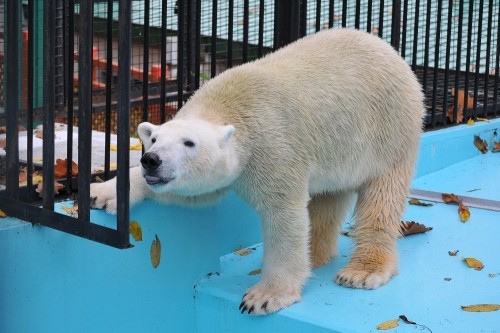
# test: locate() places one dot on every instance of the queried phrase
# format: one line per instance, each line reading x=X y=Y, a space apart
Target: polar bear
x=299 y=134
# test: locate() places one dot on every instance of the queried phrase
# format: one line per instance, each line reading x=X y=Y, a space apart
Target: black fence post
x=396 y=24
x=286 y=22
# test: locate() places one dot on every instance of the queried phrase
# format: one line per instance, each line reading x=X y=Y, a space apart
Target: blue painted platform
x=53 y=282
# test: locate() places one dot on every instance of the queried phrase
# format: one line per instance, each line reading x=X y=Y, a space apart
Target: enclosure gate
x=108 y=65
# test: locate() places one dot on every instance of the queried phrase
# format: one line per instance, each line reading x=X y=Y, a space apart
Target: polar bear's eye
x=188 y=143
x=153 y=140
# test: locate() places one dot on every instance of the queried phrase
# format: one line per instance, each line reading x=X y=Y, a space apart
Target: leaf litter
x=393 y=323
x=463 y=210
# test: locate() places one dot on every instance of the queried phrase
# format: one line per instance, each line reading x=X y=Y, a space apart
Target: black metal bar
x=163 y=61
x=84 y=109
x=497 y=71
x=487 y=64
x=61 y=222
x=357 y=17
x=381 y=19
x=197 y=46
x=331 y=13
x=30 y=104
x=426 y=43
x=415 y=37
x=302 y=8
x=246 y=23
x=145 y=62
x=48 y=103
x=468 y=58
x=260 y=46
x=286 y=22
x=369 y=16
x=405 y=29
x=447 y=60
x=180 y=52
x=318 y=16
x=213 y=40
x=344 y=13
x=459 y=60
x=70 y=65
x=230 y=27
x=109 y=83
x=123 y=121
x=436 y=65
x=12 y=96
x=478 y=55
x=396 y=24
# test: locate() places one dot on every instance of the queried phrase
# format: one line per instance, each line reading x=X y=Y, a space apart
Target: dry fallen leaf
x=460 y=114
x=470 y=122
x=464 y=212
x=406 y=320
x=412 y=228
x=481 y=307
x=137 y=146
x=387 y=325
x=474 y=263
x=453 y=253
x=480 y=144
x=136 y=231
x=242 y=252
x=60 y=169
x=450 y=198
x=155 y=252
x=461 y=98
x=73 y=211
x=496 y=147
x=417 y=202
x=2 y=214
x=255 y=272
x=482 y=119
x=2 y=143
x=57 y=187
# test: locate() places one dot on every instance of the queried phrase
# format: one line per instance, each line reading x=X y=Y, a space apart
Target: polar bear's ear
x=227 y=133
x=144 y=130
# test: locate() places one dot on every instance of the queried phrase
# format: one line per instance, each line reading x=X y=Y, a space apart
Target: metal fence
x=71 y=71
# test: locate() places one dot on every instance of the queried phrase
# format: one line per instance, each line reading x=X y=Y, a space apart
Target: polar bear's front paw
x=261 y=299
x=103 y=196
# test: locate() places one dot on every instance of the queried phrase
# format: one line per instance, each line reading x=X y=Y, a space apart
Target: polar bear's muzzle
x=150 y=163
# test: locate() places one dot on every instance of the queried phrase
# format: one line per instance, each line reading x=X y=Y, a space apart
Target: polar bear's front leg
x=286 y=263
x=103 y=195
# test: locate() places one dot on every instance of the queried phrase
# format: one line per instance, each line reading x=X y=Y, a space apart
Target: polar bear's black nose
x=150 y=161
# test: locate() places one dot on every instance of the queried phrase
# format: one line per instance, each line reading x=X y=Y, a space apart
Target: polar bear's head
x=187 y=157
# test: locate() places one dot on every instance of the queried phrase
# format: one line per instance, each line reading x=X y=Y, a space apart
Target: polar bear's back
x=338 y=95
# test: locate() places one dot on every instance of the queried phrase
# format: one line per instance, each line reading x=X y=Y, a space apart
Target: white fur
x=296 y=134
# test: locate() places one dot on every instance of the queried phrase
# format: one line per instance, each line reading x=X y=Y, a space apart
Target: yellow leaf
x=155 y=252
x=387 y=325
x=481 y=307
x=2 y=214
x=73 y=211
x=137 y=146
x=135 y=230
x=482 y=119
x=243 y=252
x=464 y=212
x=113 y=147
x=474 y=263
x=470 y=122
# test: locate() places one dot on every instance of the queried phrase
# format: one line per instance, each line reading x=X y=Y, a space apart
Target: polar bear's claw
x=261 y=299
x=103 y=196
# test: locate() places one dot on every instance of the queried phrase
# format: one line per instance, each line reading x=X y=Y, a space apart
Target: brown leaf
x=461 y=98
x=2 y=214
x=460 y=114
x=2 y=143
x=496 y=147
x=60 y=169
x=155 y=252
x=474 y=263
x=480 y=144
x=387 y=325
x=450 y=198
x=135 y=230
x=453 y=253
x=406 y=321
x=255 y=272
x=242 y=252
x=481 y=307
x=57 y=187
x=412 y=228
x=464 y=212
x=417 y=202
